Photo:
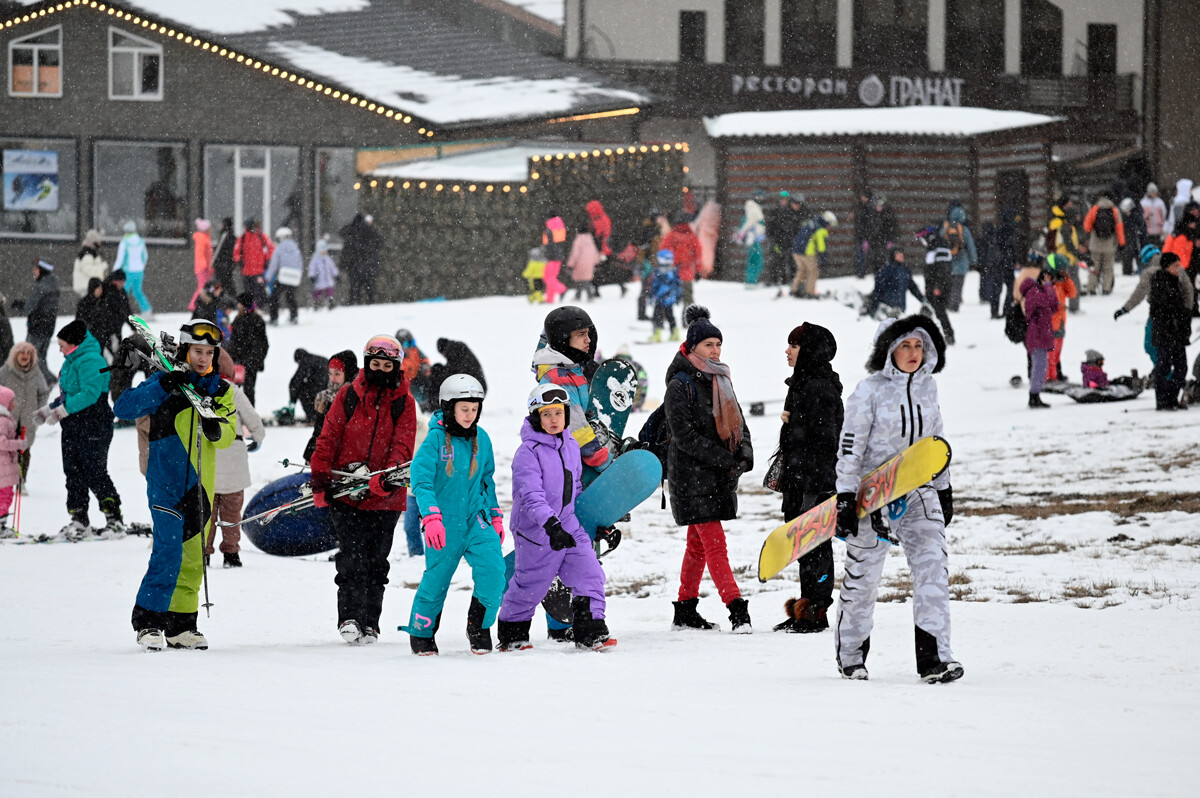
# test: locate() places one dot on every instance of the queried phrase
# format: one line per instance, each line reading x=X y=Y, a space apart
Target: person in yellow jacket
x=808 y=250
x=1064 y=240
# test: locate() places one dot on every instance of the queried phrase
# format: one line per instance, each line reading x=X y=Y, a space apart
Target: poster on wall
x=30 y=180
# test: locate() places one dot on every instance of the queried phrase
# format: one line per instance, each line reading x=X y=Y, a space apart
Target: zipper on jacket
x=903 y=424
x=912 y=428
x=568 y=480
x=920 y=423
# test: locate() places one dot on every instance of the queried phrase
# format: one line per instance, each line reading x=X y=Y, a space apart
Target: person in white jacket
x=131 y=259
x=88 y=263
x=233 y=473
x=750 y=235
x=889 y=411
x=1155 y=212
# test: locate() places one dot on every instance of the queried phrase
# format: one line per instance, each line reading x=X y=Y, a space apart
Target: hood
x=594 y=209
x=20 y=346
x=556 y=223
x=529 y=433
x=958 y=215
x=817 y=348
x=6 y=397
x=1183 y=189
x=1104 y=202
x=891 y=333
x=682 y=227
x=350 y=361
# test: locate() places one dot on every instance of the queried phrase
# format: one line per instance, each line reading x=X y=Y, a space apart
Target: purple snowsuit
x=541 y=467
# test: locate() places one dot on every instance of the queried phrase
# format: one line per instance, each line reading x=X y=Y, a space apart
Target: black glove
x=946 y=498
x=847 y=515
x=1119 y=313
x=211 y=428
x=559 y=538
x=253 y=446
x=745 y=457
x=18 y=305
x=172 y=381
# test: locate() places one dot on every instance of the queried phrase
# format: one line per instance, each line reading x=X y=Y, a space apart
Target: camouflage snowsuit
x=888 y=412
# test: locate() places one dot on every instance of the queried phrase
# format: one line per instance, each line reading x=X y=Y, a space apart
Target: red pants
x=226 y=507
x=706 y=546
x=1053 y=357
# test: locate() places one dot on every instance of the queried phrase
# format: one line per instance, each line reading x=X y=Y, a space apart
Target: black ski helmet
x=559 y=325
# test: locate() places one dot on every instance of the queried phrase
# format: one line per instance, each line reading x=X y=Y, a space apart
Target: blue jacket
x=666 y=287
x=80 y=380
x=967 y=256
x=462 y=497
x=892 y=284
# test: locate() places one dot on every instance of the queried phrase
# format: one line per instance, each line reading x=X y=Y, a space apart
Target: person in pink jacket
x=582 y=262
x=10 y=444
x=202 y=250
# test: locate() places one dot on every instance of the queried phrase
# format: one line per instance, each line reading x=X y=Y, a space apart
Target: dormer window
x=135 y=67
x=35 y=64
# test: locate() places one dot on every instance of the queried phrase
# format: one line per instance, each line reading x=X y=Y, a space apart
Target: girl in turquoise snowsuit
x=455 y=490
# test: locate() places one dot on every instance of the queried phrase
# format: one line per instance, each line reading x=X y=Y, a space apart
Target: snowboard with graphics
x=610 y=401
x=917 y=465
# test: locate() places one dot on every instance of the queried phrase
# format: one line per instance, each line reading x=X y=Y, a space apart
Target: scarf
x=726 y=412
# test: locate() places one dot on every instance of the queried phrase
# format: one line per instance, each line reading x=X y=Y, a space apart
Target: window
x=808 y=33
x=891 y=34
x=974 y=37
x=337 y=201
x=1101 y=50
x=693 y=37
x=141 y=182
x=38 y=180
x=134 y=67
x=744 y=31
x=35 y=64
x=262 y=183
x=1041 y=39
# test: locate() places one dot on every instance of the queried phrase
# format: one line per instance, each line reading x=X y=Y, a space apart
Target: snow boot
x=423 y=646
x=675 y=334
x=591 y=633
x=513 y=635
x=233 y=560
x=151 y=639
x=687 y=617
x=564 y=635
x=936 y=672
x=190 y=639
x=479 y=638
x=854 y=672
x=350 y=631
x=930 y=666
x=739 y=616
x=804 y=617
x=114 y=526
x=1035 y=401
x=656 y=336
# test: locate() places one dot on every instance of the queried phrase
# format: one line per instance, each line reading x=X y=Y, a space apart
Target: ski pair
x=161 y=360
x=351 y=484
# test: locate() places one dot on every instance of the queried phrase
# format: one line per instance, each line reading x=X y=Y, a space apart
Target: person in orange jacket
x=1107 y=233
x=1065 y=288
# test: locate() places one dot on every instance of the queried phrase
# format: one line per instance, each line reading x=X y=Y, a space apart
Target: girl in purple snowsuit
x=547 y=537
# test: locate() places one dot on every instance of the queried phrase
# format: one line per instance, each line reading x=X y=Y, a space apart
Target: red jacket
x=368 y=436
x=601 y=226
x=686 y=248
x=252 y=250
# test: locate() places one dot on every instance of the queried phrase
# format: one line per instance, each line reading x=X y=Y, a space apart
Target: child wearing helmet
x=180 y=480
x=454 y=487
x=372 y=422
x=547 y=537
x=666 y=291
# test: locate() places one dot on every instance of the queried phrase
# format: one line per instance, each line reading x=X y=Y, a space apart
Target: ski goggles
x=201 y=332
x=548 y=396
x=383 y=346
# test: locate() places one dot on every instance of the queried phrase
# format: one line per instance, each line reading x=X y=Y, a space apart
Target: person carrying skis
x=710 y=449
x=87 y=431
x=179 y=484
x=549 y=541
x=372 y=422
x=453 y=484
x=812 y=419
x=890 y=410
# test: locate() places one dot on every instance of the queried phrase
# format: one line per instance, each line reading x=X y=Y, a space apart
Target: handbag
x=774 y=473
x=1015 y=323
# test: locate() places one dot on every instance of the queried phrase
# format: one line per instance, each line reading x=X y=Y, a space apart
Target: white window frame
x=112 y=235
x=18 y=44
x=240 y=175
x=144 y=47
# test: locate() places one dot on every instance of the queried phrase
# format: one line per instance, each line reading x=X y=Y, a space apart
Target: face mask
x=383 y=379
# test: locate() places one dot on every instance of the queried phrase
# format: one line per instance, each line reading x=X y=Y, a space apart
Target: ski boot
x=351 y=632
x=854 y=672
x=423 y=646
x=656 y=336
x=151 y=639
x=189 y=639
x=591 y=634
x=936 y=672
x=687 y=617
x=479 y=638
x=369 y=635
x=5 y=532
x=114 y=526
x=739 y=616
x=513 y=635
x=232 y=560
x=676 y=335
x=78 y=529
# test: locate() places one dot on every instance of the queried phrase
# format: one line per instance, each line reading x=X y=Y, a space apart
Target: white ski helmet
x=200 y=331
x=548 y=394
x=460 y=386
x=830 y=218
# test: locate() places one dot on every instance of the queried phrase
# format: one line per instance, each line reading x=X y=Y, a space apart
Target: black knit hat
x=246 y=300
x=699 y=326
x=73 y=333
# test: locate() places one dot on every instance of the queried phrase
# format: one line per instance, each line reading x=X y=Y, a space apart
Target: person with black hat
x=87 y=430
x=114 y=311
x=41 y=309
x=248 y=342
x=180 y=484
x=709 y=451
x=812 y=419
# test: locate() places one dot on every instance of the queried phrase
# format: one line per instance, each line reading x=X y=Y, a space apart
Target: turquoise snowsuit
x=467 y=504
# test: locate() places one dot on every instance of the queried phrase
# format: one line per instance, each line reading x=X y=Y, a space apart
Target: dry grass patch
x=638 y=588
x=1121 y=503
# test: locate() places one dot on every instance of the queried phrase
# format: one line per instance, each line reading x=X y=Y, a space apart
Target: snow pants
x=554 y=287
x=922 y=534
x=1103 y=257
x=754 y=263
x=169 y=596
x=706 y=546
x=480 y=547
x=1054 y=356
x=536 y=566
x=365 y=540
x=133 y=287
x=86 y=437
x=806 y=273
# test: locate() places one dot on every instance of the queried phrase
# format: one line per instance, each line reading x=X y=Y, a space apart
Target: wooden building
x=919 y=158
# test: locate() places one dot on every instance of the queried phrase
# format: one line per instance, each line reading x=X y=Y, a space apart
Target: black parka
x=808 y=439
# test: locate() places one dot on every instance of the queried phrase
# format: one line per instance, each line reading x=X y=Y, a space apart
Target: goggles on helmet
x=200 y=331
x=547 y=396
x=383 y=346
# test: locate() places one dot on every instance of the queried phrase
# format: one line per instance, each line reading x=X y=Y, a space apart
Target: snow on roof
x=237 y=16
x=550 y=10
x=448 y=99
x=909 y=121
x=498 y=165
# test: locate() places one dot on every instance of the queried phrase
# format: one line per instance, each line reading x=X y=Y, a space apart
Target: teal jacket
x=80 y=379
x=461 y=498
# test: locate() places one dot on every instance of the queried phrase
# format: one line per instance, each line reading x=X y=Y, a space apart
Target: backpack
x=1015 y=323
x=1105 y=226
x=953 y=235
x=656 y=432
x=350 y=403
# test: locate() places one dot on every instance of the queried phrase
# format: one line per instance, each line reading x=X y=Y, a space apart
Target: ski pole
x=200 y=510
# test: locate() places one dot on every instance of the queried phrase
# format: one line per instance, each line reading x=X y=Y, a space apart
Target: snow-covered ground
x=1074 y=558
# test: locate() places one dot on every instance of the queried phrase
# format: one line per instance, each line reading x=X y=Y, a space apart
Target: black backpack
x=656 y=432
x=1015 y=323
x=1105 y=225
x=351 y=402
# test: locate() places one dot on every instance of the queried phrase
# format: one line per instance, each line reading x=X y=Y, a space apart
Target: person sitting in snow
x=1093 y=370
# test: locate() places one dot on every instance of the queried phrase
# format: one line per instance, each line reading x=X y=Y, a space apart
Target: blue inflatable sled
x=292 y=534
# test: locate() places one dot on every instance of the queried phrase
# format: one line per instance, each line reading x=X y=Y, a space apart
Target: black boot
x=233 y=560
x=513 y=635
x=479 y=638
x=1035 y=401
x=565 y=635
x=804 y=617
x=423 y=646
x=739 y=616
x=590 y=633
x=687 y=617
x=930 y=667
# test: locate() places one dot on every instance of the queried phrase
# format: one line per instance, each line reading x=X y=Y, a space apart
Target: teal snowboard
x=610 y=401
x=621 y=487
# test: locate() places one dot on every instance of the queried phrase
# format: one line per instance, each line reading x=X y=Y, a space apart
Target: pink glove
x=498 y=524
x=435 y=532
x=319 y=499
